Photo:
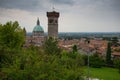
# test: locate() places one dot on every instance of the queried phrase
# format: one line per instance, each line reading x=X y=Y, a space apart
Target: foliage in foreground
x=96 y=61
x=34 y=64
x=51 y=46
x=11 y=35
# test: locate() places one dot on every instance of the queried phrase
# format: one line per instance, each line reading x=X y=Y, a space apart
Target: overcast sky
x=75 y=15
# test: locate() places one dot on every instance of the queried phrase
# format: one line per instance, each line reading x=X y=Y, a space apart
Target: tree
x=117 y=63
x=51 y=46
x=114 y=41
x=11 y=35
x=108 y=54
x=74 y=48
x=96 y=61
x=11 y=40
x=87 y=40
x=24 y=30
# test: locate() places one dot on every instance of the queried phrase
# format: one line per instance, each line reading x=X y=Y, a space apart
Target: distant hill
x=84 y=34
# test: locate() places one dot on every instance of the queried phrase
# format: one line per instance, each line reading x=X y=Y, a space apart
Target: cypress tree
x=51 y=46
x=74 y=48
x=108 y=54
x=114 y=41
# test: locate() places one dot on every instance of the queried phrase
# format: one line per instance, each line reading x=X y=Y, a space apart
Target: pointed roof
x=38 y=22
x=38 y=27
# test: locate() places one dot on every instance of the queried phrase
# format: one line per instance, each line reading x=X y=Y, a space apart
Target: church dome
x=38 y=28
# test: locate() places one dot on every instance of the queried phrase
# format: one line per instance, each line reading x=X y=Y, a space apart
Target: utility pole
x=88 y=65
x=88 y=53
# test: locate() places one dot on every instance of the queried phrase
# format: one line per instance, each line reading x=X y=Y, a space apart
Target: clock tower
x=53 y=24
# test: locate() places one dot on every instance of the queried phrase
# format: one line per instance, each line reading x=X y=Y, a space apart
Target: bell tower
x=53 y=23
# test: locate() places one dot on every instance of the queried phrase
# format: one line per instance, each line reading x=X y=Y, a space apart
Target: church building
x=38 y=30
x=37 y=37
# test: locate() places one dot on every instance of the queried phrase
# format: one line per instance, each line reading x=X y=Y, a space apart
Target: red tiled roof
x=116 y=53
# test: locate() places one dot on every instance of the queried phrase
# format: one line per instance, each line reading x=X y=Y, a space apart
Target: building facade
x=53 y=24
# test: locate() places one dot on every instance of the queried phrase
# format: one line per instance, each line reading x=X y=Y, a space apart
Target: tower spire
x=38 y=22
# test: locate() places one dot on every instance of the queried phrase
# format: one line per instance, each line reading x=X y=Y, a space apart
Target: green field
x=103 y=73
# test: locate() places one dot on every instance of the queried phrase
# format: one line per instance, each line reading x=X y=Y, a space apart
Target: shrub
x=96 y=61
x=117 y=63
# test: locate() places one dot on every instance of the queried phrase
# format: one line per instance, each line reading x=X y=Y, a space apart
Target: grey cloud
x=22 y=4
x=115 y=4
x=40 y=5
x=67 y=2
x=34 y=5
x=108 y=5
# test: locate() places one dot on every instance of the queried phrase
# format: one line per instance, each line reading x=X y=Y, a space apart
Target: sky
x=75 y=15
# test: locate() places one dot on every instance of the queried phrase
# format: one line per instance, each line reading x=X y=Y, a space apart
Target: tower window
x=56 y=21
x=51 y=21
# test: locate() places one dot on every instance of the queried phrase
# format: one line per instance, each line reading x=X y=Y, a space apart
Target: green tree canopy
x=96 y=61
x=117 y=63
x=74 y=48
x=11 y=35
x=51 y=46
